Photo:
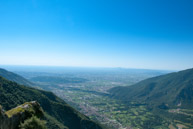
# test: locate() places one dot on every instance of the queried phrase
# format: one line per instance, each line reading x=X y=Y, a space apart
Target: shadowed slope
x=14 y=77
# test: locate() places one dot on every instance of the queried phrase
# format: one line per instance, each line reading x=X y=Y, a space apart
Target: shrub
x=33 y=123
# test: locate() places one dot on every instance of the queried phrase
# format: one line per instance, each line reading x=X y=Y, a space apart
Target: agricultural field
x=111 y=112
x=88 y=93
x=119 y=114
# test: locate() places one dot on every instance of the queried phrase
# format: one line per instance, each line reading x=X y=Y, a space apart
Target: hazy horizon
x=40 y=67
x=128 y=34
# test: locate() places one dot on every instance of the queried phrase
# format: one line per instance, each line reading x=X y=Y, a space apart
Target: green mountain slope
x=14 y=77
x=57 y=112
x=13 y=118
x=171 y=90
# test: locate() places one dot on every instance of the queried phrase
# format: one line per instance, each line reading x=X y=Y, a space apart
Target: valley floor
x=122 y=115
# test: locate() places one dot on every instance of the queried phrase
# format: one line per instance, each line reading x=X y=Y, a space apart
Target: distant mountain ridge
x=15 y=77
x=58 y=114
x=170 y=90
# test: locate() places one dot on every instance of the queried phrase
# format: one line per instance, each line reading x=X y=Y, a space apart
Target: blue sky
x=151 y=34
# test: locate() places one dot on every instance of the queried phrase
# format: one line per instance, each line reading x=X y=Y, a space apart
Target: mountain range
x=166 y=91
x=58 y=114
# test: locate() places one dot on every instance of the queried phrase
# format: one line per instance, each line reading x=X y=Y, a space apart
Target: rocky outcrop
x=3 y=118
x=12 y=118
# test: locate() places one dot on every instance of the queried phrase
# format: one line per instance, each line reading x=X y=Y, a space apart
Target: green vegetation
x=14 y=111
x=123 y=114
x=170 y=97
x=12 y=118
x=14 y=77
x=167 y=91
x=137 y=111
x=28 y=108
x=33 y=123
x=114 y=113
x=157 y=103
x=13 y=94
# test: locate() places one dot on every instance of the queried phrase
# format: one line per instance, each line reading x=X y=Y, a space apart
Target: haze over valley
x=96 y=64
x=97 y=93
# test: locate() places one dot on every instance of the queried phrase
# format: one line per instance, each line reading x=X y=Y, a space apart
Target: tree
x=33 y=123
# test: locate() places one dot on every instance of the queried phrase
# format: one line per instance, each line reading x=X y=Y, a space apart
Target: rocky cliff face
x=12 y=118
x=3 y=118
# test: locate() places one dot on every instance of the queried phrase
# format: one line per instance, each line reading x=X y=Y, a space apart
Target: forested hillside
x=171 y=90
x=15 y=77
x=58 y=114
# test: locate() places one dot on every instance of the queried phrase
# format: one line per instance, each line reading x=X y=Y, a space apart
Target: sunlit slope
x=170 y=90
